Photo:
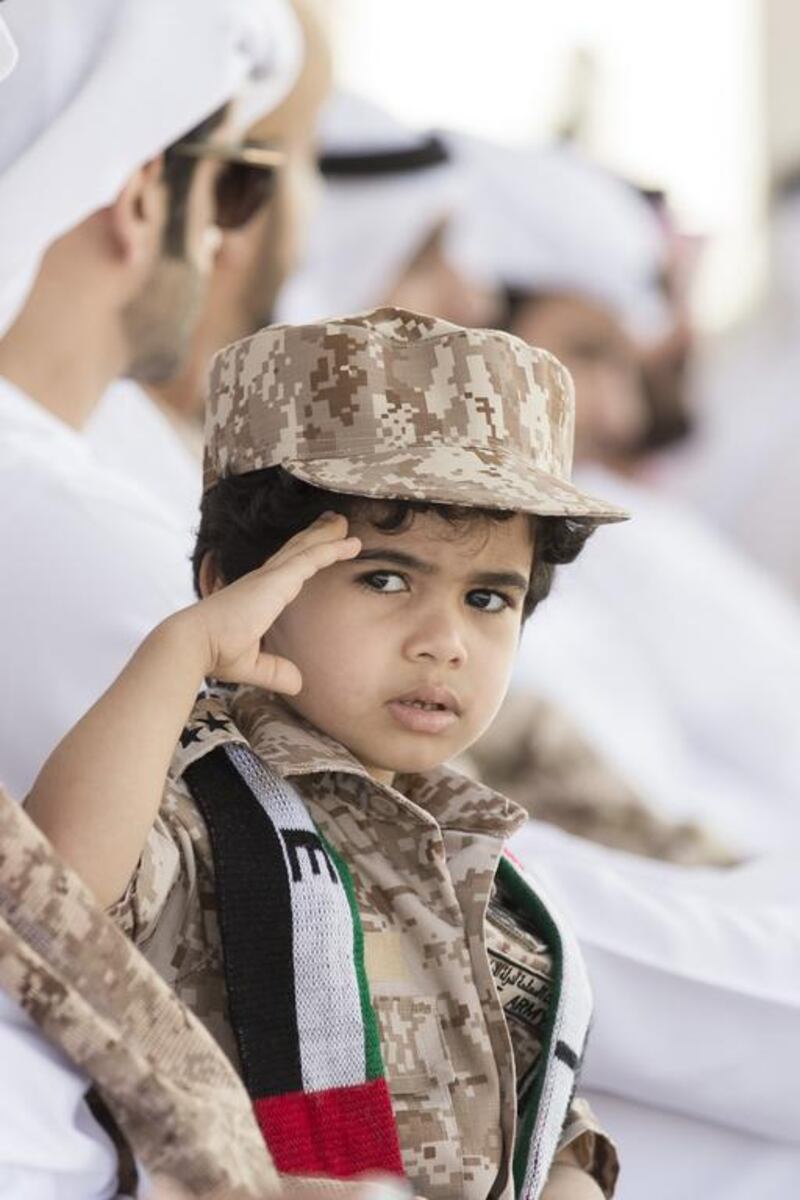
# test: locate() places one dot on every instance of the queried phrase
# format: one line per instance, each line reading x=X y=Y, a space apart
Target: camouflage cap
x=396 y=405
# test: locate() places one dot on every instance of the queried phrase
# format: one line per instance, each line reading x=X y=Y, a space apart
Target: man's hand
x=233 y=620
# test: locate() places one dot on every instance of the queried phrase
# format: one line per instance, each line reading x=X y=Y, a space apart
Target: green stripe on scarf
x=527 y=900
x=372 y=1047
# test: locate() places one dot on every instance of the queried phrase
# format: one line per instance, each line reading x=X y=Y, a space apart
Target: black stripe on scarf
x=255 y=917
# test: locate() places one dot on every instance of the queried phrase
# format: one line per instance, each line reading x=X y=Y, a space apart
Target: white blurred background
x=698 y=97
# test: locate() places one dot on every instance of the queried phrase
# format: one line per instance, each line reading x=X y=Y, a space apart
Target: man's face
x=591 y=343
x=430 y=284
x=160 y=321
x=255 y=260
x=407 y=650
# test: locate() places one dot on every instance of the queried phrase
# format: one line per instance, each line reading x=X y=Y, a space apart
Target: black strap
x=370 y=163
x=255 y=919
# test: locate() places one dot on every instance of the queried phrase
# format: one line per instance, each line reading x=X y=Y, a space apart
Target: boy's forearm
x=99 y=792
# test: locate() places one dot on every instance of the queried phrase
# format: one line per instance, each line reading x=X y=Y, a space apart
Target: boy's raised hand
x=88 y=801
x=234 y=619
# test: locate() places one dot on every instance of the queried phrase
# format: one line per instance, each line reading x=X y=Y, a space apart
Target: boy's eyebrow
x=505 y=579
x=399 y=558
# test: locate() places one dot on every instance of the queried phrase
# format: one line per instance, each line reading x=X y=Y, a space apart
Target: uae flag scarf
x=297 y=991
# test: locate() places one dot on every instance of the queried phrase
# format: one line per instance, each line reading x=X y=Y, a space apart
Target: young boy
x=330 y=899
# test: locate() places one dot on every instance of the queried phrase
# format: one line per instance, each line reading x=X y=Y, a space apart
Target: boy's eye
x=384 y=581
x=488 y=601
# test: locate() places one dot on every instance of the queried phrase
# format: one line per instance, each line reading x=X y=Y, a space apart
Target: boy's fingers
x=275 y=674
x=325 y=554
x=303 y=565
x=328 y=527
x=275 y=586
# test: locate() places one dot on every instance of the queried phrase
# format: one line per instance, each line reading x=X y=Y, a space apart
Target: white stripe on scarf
x=571 y=1026
x=330 y=1026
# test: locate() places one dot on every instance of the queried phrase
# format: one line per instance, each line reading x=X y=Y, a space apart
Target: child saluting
x=386 y=497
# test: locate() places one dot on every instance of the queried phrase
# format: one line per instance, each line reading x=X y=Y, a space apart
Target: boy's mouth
x=426 y=709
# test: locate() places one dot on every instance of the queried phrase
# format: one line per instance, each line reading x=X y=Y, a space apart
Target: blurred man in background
x=695 y=688
x=670 y=651
x=152 y=432
x=378 y=231
x=110 y=231
x=741 y=471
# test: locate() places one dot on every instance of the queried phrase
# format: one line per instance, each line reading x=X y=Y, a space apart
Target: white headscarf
x=8 y=51
x=366 y=229
x=103 y=86
x=551 y=220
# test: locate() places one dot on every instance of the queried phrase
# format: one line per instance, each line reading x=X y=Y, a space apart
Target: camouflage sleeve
x=535 y=754
x=138 y=910
x=585 y=1144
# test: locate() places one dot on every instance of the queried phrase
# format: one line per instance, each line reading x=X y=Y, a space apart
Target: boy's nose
x=437 y=638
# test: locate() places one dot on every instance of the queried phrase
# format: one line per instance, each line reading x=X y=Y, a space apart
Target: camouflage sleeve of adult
x=171 y=1090
x=535 y=755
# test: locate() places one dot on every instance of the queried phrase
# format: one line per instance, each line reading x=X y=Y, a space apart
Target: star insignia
x=189 y=735
x=213 y=723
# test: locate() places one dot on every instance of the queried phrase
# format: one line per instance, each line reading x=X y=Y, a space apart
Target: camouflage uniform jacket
x=423 y=855
x=169 y=1095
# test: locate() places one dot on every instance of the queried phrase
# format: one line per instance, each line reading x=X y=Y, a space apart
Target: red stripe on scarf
x=340 y=1133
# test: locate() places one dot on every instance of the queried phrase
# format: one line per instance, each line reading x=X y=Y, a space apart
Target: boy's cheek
x=497 y=680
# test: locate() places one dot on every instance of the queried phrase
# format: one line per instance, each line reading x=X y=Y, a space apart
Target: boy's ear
x=136 y=219
x=210 y=579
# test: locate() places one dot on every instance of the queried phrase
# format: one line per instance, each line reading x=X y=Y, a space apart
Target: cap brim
x=470 y=478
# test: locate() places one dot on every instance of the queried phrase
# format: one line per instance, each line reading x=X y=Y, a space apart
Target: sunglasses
x=247 y=179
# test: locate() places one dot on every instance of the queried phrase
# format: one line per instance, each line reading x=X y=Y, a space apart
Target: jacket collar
x=294 y=748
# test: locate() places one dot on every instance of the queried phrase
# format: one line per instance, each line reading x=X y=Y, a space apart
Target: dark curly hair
x=245 y=519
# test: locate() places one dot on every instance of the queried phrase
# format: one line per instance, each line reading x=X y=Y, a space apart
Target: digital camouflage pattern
x=175 y=1098
x=423 y=857
x=397 y=405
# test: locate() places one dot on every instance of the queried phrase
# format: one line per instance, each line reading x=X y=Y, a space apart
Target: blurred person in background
x=59 y=1031
x=377 y=233
x=83 y=1018
x=152 y=431
x=109 y=235
x=742 y=470
x=673 y=654
x=666 y=362
x=673 y=951
x=380 y=235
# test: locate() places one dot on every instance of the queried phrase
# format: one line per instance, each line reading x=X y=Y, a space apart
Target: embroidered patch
x=523 y=990
x=522 y=970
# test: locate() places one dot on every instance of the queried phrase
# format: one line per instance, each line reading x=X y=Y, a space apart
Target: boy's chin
x=413 y=761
